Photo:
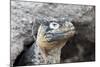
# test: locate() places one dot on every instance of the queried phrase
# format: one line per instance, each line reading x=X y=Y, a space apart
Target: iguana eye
x=54 y=25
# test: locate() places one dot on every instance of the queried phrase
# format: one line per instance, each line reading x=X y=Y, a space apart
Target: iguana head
x=53 y=32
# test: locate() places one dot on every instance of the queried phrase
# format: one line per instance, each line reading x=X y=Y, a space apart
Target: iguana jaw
x=50 y=37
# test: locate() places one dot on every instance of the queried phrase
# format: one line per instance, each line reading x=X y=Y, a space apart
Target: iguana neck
x=54 y=56
x=51 y=56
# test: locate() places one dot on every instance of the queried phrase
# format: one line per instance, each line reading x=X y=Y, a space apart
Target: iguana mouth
x=58 y=35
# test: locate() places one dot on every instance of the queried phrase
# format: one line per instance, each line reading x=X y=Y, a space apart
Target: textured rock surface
x=82 y=16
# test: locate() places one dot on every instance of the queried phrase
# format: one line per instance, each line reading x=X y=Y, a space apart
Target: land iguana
x=51 y=34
